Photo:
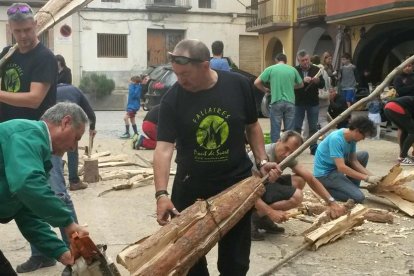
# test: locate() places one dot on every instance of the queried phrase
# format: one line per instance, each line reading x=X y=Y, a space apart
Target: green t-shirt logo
x=12 y=80
x=212 y=132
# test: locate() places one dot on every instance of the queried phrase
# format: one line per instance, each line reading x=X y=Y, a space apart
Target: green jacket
x=25 y=194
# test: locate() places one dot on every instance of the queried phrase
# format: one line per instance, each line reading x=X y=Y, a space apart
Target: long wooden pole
x=347 y=112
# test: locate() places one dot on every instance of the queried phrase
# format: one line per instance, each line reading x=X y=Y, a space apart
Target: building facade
x=377 y=33
x=381 y=32
x=120 y=38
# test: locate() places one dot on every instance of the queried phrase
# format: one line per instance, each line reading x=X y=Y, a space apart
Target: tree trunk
x=177 y=246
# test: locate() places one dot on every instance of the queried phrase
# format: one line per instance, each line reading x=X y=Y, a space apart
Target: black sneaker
x=34 y=263
x=267 y=224
x=255 y=235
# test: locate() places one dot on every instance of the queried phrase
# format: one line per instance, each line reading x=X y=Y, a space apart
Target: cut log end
x=91 y=171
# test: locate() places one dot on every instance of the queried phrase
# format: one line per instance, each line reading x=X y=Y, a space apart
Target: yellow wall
x=268 y=41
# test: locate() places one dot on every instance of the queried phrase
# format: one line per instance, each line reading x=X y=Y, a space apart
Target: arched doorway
x=384 y=47
x=316 y=41
x=274 y=47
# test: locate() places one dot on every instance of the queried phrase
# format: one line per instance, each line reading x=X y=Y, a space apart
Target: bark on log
x=91 y=171
x=174 y=248
x=377 y=215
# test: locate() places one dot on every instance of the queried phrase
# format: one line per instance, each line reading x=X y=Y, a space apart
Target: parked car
x=258 y=95
x=162 y=78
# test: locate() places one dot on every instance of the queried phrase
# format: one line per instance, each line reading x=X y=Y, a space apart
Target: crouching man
x=25 y=195
x=286 y=192
x=339 y=166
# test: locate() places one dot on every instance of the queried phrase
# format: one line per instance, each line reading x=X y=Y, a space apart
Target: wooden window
x=204 y=4
x=112 y=45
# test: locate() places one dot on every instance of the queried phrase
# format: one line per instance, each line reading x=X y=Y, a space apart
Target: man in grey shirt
x=286 y=192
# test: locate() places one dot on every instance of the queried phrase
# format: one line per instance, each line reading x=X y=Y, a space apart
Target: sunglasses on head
x=19 y=9
x=182 y=60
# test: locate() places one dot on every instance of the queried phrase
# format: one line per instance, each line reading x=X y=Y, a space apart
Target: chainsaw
x=90 y=259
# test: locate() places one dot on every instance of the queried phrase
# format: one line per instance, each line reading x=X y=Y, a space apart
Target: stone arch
x=383 y=47
x=311 y=39
x=274 y=47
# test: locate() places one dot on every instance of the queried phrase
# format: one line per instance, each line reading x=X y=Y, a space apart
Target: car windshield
x=157 y=73
x=170 y=78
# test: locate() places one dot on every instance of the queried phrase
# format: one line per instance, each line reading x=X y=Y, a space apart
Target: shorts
x=131 y=113
x=281 y=189
x=349 y=95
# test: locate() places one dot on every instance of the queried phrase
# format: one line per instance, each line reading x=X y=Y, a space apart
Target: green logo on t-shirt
x=12 y=80
x=212 y=132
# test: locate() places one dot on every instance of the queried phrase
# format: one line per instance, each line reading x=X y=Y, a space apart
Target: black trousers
x=234 y=247
x=406 y=123
x=5 y=267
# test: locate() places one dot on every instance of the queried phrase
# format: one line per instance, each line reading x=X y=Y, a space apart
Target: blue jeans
x=312 y=113
x=58 y=185
x=279 y=111
x=342 y=187
x=73 y=161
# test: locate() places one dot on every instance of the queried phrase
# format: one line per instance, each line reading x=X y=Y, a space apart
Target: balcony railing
x=269 y=15
x=168 y=5
x=310 y=10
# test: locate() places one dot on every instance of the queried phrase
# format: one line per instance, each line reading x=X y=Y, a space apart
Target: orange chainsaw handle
x=83 y=247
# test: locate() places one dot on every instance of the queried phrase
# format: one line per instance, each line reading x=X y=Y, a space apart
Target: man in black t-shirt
x=28 y=78
x=206 y=114
x=28 y=86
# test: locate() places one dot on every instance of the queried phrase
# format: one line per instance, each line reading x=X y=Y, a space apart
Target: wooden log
x=91 y=171
x=99 y=154
x=174 y=248
x=116 y=164
x=333 y=230
x=147 y=163
x=120 y=174
x=378 y=215
x=404 y=192
x=112 y=158
x=402 y=204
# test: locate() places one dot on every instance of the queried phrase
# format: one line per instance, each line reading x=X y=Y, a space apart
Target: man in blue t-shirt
x=218 y=62
x=339 y=167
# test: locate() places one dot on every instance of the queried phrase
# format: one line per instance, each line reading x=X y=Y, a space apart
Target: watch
x=331 y=199
x=261 y=164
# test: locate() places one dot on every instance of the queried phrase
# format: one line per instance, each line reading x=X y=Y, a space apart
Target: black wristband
x=161 y=192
